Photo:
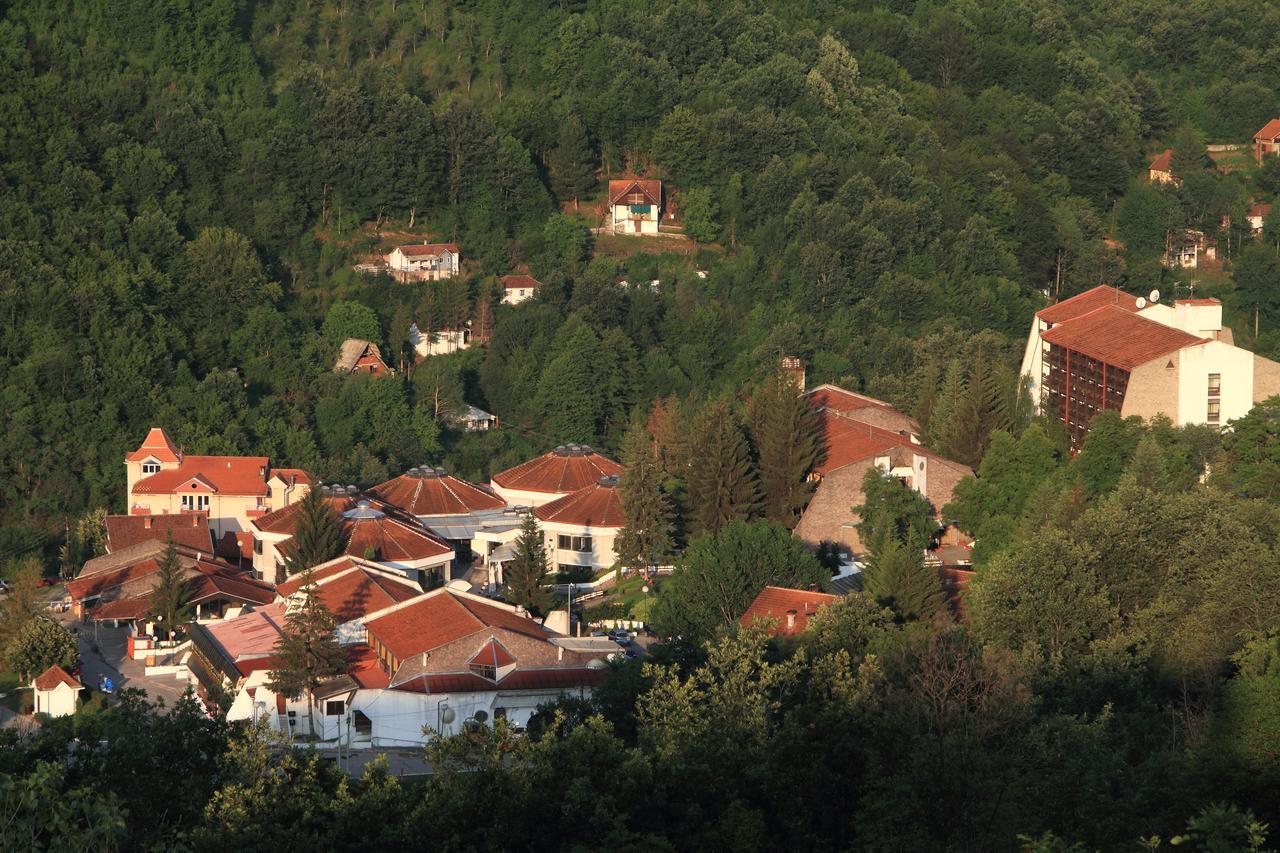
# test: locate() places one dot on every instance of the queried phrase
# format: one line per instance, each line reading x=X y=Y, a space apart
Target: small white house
x=518 y=288
x=635 y=206
x=56 y=692
x=439 y=341
x=424 y=262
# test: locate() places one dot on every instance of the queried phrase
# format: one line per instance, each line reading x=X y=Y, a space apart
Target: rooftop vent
x=363 y=509
x=609 y=480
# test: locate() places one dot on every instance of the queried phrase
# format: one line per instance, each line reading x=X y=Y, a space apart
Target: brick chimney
x=793 y=367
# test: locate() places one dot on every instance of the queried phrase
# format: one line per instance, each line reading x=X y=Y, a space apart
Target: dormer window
x=150 y=467
x=485 y=670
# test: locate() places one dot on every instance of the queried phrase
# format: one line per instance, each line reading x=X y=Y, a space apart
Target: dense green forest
x=887 y=190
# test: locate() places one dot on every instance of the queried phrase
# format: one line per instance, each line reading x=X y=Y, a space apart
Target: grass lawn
x=14 y=691
x=635 y=603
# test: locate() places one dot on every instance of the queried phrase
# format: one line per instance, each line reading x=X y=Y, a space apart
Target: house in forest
x=518 y=288
x=1107 y=350
x=424 y=262
x=861 y=433
x=228 y=491
x=1187 y=247
x=1267 y=140
x=785 y=611
x=1161 y=169
x=474 y=419
x=635 y=206
x=439 y=341
x=1257 y=216
x=359 y=356
x=439 y=662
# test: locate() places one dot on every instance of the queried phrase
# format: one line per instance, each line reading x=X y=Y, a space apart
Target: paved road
x=110 y=659
x=400 y=762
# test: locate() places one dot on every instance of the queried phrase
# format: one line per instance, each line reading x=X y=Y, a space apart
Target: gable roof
x=353 y=349
x=492 y=654
x=597 y=505
x=352 y=589
x=619 y=188
x=366 y=524
x=1163 y=161
x=431 y=491
x=561 y=471
x=1259 y=209
x=518 y=281
x=442 y=616
x=849 y=441
x=156 y=445
x=1269 y=131
x=291 y=476
x=1118 y=337
x=776 y=602
x=53 y=676
x=191 y=530
x=225 y=475
x=550 y=678
x=1090 y=300
x=423 y=249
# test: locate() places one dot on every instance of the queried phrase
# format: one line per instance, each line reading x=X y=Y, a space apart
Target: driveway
x=110 y=659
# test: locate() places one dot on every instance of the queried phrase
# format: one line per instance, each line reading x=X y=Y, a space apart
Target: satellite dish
x=1141 y=303
x=1154 y=296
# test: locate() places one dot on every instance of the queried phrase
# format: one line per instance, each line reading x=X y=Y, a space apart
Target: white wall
x=1032 y=361
x=59 y=702
x=515 y=497
x=1196 y=363
x=603 y=555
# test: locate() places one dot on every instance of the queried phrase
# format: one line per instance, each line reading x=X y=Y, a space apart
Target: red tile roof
x=295 y=475
x=394 y=536
x=597 y=505
x=123 y=609
x=517 y=282
x=155 y=446
x=492 y=654
x=251 y=635
x=443 y=617
x=777 y=602
x=356 y=591
x=839 y=400
x=521 y=679
x=435 y=494
x=1162 y=162
x=1259 y=210
x=618 y=189
x=1090 y=300
x=226 y=475
x=53 y=676
x=1119 y=338
x=364 y=669
x=850 y=441
x=562 y=471
x=428 y=248
x=190 y=530
x=1270 y=131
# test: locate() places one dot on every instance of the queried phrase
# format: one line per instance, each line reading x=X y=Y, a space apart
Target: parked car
x=621 y=636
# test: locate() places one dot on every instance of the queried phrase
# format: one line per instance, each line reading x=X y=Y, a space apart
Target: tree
x=307 y=653
x=317 y=533
x=789 y=445
x=891 y=509
x=171 y=596
x=1252 y=449
x=348 y=319
x=22 y=603
x=645 y=538
x=897 y=578
x=1256 y=273
x=721 y=574
x=524 y=576
x=721 y=480
x=572 y=162
x=700 y=213
x=39 y=645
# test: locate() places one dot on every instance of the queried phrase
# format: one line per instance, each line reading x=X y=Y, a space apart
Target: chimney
x=146 y=523
x=791 y=619
x=793 y=367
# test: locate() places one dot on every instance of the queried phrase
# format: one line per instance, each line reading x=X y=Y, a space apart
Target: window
x=150 y=467
x=499 y=713
x=485 y=671
x=334 y=708
x=195 y=502
x=636 y=198
x=1215 y=410
x=1215 y=384
x=257 y=547
x=581 y=544
x=293 y=718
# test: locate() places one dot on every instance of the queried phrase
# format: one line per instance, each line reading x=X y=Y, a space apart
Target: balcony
x=564 y=557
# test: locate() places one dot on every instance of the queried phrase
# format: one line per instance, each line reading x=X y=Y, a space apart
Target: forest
x=887 y=190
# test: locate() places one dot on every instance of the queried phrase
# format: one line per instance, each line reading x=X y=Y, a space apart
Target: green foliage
x=893 y=511
x=170 y=597
x=788 y=441
x=700 y=213
x=721 y=482
x=897 y=578
x=317 y=533
x=721 y=573
x=525 y=575
x=307 y=653
x=645 y=539
x=43 y=812
x=347 y=320
x=40 y=644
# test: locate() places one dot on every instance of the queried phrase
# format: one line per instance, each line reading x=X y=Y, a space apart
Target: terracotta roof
x=431 y=492
x=155 y=446
x=560 y=472
x=1119 y=338
x=1269 y=131
x=354 y=591
x=1162 y=162
x=493 y=654
x=1259 y=209
x=1088 y=301
x=364 y=669
x=838 y=399
x=226 y=475
x=291 y=475
x=517 y=282
x=191 y=530
x=249 y=635
x=777 y=602
x=521 y=679
x=123 y=609
x=850 y=441
x=597 y=505
x=53 y=676
x=443 y=617
x=393 y=539
x=428 y=248
x=230 y=584
x=618 y=189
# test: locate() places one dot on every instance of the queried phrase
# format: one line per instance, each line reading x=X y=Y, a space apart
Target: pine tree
x=789 y=445
x=572 y=163
x=722 y=483
x=171 y=596
x=317 y=535
x=645 y=538
x=307 y=653
x=897 y=578
x=524 y=575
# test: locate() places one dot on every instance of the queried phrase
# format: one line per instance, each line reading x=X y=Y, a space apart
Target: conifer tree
x=572 y=163
x=789 y=445
x=307 y=653
x=317 y=535
x=722 y=483
x=897 y=578
x=645 y=538
x=524 y=576
x=171 y=596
